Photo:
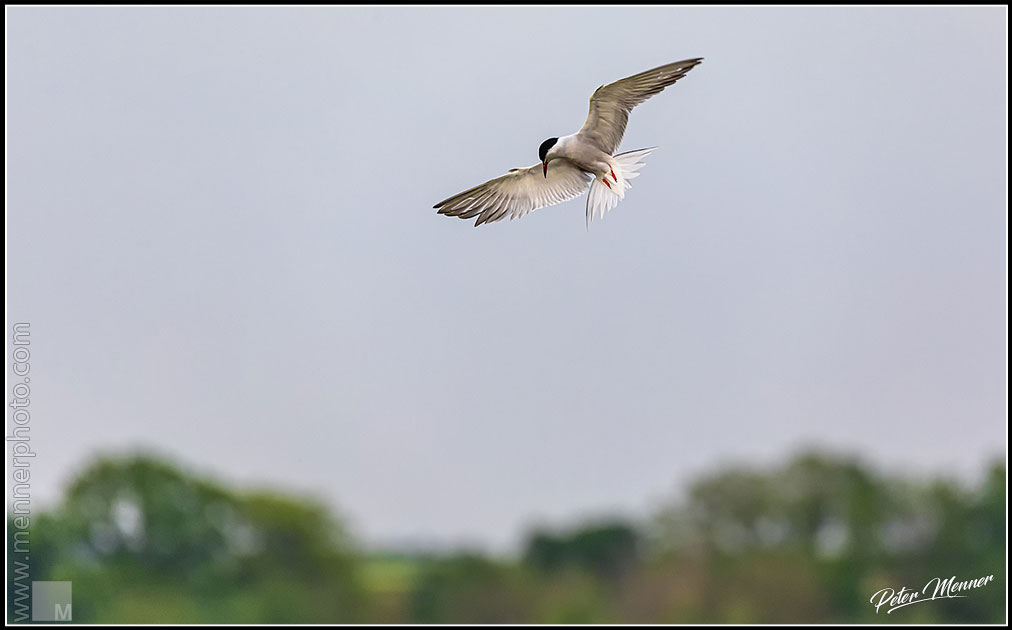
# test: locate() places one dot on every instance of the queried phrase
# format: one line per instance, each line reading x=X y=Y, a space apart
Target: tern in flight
x=569 y=162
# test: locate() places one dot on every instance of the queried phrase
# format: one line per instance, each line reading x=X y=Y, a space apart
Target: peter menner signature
x=939 y=589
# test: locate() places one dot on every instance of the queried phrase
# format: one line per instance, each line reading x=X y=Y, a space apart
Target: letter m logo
x=62 y=613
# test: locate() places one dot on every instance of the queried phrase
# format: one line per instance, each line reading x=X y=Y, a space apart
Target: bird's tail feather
x=603 y=197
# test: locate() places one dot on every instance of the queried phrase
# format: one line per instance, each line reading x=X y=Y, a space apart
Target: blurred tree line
x=806 y=542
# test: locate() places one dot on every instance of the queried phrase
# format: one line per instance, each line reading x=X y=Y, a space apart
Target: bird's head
x=543 y=152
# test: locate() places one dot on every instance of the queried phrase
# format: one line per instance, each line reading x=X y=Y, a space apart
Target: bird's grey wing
x=518 y=192
x=610 y=104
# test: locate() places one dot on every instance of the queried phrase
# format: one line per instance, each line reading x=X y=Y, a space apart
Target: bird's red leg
x=613 y=173
x=605 y=180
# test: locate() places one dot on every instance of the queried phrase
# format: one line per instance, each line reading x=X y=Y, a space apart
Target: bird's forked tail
x=605 y=195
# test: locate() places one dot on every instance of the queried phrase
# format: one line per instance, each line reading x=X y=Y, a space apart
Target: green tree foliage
x=808 y=541
x=144 y=542
x=607 y=550
x=845 y=532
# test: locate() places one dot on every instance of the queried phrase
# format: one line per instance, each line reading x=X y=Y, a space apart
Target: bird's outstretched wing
x=518 y=192
x=610 y=104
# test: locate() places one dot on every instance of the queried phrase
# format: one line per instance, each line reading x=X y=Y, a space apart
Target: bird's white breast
x=583 y=154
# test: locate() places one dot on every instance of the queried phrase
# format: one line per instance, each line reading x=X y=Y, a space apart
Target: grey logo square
x=51 y=601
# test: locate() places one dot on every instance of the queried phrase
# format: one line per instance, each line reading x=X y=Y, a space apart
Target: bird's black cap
x=545 y=146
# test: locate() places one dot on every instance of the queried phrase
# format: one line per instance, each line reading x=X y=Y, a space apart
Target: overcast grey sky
x=220 y=228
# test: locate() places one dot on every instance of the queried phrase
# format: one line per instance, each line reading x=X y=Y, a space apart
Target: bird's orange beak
x=545 y=165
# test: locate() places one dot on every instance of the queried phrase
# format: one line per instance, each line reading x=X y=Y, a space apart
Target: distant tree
x=607 y=550
x=845 y=528
x=145 y=542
